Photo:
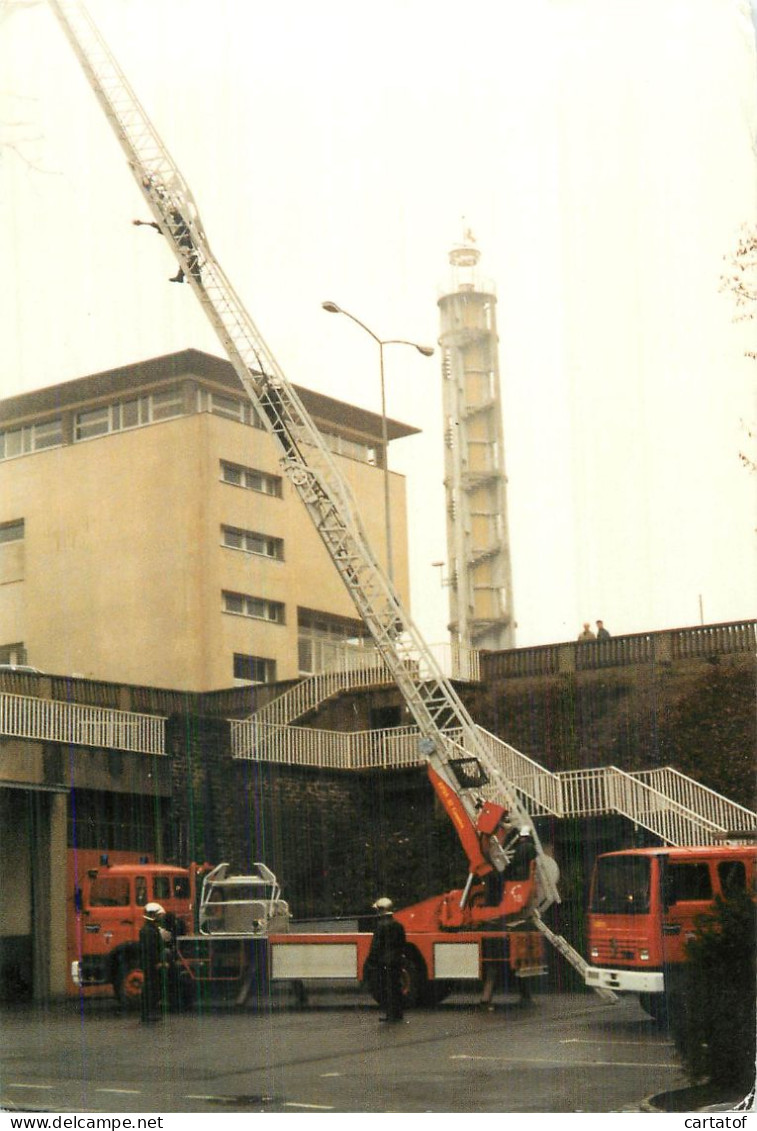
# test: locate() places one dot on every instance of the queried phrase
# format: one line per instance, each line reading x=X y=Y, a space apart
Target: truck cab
x=643 y=909
x=109 y=912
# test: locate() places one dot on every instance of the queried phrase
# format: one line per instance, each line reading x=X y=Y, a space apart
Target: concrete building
x=147 y=535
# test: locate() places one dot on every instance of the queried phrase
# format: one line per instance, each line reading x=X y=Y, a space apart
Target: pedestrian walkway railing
x=665 y=802
x=258 y=741
x=708 y=804
x=306 y=696
x=49 y=720
x=539 y=790
x=351 y=669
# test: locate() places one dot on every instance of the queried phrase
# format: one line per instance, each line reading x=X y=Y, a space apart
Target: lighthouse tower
x=478 y=550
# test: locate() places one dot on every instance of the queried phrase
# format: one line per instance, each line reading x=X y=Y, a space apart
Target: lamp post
x=427 y=351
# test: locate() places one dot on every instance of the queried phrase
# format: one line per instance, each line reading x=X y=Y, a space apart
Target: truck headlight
x=644 y=955
x=594 y=952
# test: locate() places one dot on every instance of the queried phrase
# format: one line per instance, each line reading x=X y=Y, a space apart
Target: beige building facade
x=148 y=536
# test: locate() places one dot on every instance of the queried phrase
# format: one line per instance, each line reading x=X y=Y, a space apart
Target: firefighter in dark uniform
x=154 y=962
x=385 y=958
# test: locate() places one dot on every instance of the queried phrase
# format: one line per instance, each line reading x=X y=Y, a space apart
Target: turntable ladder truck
x=478 y=797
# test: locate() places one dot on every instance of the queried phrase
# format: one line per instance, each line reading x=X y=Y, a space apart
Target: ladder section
x=306 y=460
x=568 y=952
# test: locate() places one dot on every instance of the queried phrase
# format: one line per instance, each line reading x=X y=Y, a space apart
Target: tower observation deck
x=478 y=548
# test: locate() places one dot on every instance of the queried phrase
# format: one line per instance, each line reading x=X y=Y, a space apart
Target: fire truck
x=108 y=893
x=233 y=935
x=643 y=909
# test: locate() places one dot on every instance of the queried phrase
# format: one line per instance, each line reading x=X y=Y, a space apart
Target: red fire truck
x=643 y=908
x=234 y=936
x=105 y=913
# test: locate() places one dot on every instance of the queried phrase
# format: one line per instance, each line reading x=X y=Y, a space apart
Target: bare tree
x=741 y=281
x=17 y=135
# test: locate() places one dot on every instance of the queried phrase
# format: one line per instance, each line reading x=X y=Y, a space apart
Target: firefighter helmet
x=154 y=911
x=383 y=906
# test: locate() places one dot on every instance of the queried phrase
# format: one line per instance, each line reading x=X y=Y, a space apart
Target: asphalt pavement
x=561 y=1053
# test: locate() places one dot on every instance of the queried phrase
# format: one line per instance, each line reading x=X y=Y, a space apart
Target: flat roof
x=42 y=403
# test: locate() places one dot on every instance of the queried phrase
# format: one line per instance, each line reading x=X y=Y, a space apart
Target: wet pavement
x=561 y=1053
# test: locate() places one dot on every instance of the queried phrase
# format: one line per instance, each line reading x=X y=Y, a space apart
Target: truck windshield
x=109 y=891
x=621 y=885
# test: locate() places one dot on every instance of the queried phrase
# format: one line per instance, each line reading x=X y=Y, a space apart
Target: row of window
x=259 y=608
x=254 y=669
x=129 y=414
x=134 y=412
x=12 y=531
x=149 y=408
x=252 y=542
x=250 y=478
x=31 y=438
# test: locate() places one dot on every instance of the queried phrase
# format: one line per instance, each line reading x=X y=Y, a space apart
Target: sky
x=604 y=155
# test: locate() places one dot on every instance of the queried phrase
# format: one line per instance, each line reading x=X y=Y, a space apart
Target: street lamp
x=427 y=351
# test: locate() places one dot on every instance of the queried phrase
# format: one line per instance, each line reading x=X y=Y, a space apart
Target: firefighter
x=386 y=957
x=154 y=962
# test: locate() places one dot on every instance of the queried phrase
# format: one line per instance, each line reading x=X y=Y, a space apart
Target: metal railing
x=253 y=740
x=25 y=716
x=305 y=696
x=708 y=804
x=667 y=803
x=354 y=668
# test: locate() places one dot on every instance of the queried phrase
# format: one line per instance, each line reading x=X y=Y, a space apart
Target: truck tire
x=414 y=981
x=128 y=982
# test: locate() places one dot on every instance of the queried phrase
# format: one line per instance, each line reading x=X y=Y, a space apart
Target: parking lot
x=561 y=1053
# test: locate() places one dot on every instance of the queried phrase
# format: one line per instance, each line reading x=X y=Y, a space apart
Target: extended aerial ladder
x=479 y=799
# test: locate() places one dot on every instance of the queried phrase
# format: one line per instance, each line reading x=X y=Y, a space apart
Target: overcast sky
x=603 y=154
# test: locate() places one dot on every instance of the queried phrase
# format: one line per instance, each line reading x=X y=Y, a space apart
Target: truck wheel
x=128 y=983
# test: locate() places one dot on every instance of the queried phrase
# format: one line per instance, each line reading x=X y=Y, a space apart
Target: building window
x=94 y=422
x=226 y=406
x=47 y=435
x=254 y=669
x=130 y=414
x=256 y=607
x=12 y=531
x=253 y=543
x=116 y=417
x=14 y=654
x=252 y=479
x=352 y=449
x=32 y=438
x=168 y=403
x=325 y=642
